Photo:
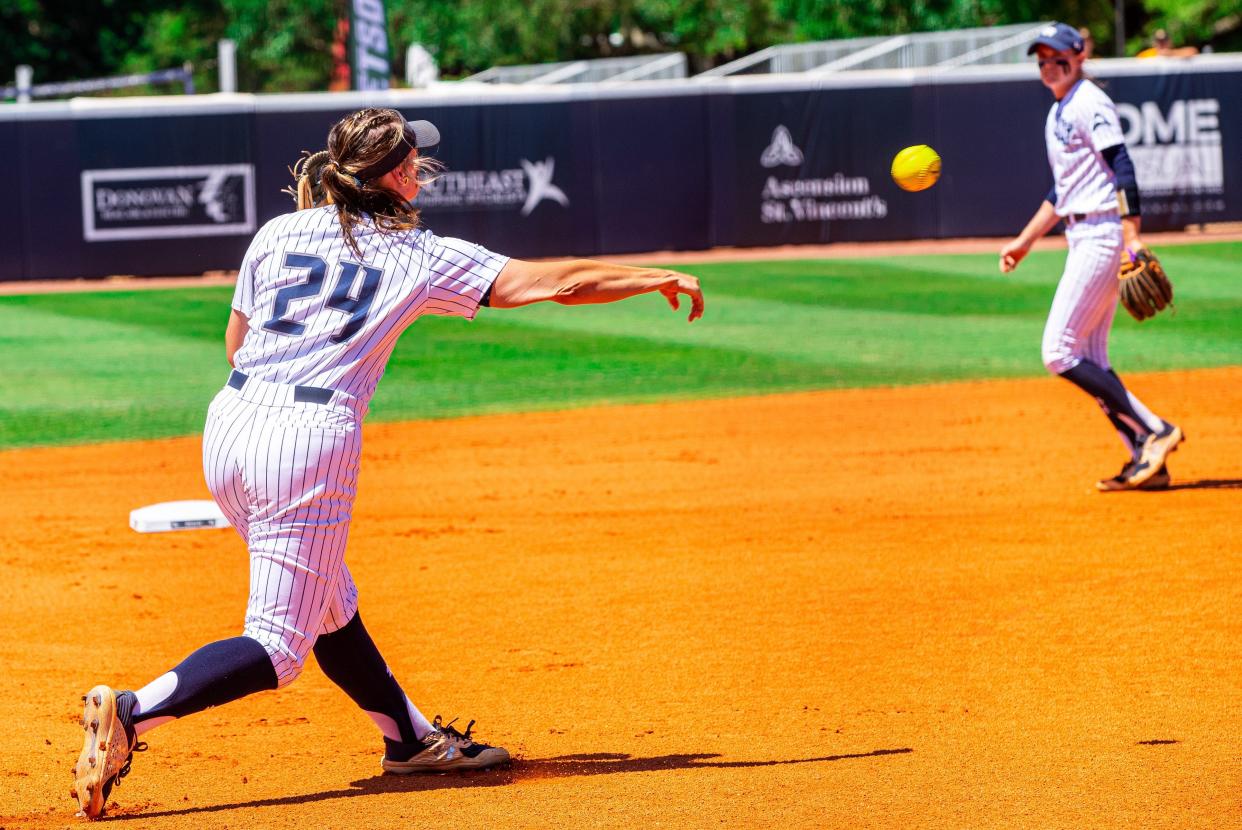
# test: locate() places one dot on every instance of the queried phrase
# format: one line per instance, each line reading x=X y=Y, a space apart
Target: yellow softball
x=916 y=168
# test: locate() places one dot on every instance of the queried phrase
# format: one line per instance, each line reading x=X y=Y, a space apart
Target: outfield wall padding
x=14 y=263
x=179 y=186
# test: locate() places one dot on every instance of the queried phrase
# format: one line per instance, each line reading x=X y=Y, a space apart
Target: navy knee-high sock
x=351 y=660
x=1133 y=439
x=1104 y=385
x=217 y=673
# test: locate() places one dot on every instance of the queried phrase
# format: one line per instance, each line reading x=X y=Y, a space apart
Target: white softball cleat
x=1156 y=451
x=1121 y=482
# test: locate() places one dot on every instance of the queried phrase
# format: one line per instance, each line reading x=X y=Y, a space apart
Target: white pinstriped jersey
x=322 y=316
x=1079 y=127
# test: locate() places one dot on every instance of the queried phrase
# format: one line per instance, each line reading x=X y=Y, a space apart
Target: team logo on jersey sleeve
x=1064 y=131
x=168 y=202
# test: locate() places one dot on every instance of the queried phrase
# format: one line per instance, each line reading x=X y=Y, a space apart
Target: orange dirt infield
x=897 y=608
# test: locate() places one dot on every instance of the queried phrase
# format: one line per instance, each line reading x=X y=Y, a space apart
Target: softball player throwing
x=1095 y=193
x=322 y=296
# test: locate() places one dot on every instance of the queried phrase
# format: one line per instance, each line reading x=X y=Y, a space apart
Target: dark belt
x=1075 y=218
x=301 y=394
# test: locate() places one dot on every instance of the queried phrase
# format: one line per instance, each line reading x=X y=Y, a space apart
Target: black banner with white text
x=182 y=189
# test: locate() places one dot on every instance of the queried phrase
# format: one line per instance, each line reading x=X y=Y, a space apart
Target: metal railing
x=24 y=91
x=918 y=50
x=598 y=70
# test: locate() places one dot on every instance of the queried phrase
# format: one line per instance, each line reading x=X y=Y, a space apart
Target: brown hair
x=356 y=142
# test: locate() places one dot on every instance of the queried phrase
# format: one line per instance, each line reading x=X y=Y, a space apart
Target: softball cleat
x=108 y=748
x=1120 y=483
x=1156 y=451
x=441 y=750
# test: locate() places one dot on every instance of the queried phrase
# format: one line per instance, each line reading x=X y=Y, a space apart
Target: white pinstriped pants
x=285 y=474
x=1086 y=298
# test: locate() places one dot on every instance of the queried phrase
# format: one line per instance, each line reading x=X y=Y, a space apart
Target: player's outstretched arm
x=1042 y=222
x=585 y=281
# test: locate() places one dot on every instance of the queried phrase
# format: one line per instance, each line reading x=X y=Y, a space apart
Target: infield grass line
x=118 y=365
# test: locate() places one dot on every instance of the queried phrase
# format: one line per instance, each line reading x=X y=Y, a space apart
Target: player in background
x=1095 y=193
x=322 y=296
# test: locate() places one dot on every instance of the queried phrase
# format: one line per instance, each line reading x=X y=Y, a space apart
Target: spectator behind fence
x=1162 y=47
x=1088 y=43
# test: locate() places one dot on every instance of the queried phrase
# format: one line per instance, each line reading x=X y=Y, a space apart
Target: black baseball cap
x=414 y=134
x=1059 y=36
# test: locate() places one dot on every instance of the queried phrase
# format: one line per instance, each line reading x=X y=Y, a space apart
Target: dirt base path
x=899 y=608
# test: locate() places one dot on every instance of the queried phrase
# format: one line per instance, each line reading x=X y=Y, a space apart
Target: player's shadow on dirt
x=1208 y=484
x=535 y=769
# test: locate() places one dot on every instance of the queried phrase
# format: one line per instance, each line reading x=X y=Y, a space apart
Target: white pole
x=420 y=68
x=25 y=75
x=226 y=62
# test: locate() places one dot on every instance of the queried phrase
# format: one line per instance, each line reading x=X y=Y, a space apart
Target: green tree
x=711 y=32
x=65 y=40
x=285 y=45
x=473 y=35
x=173 y=37
x=1217 y=23
x=282 y=45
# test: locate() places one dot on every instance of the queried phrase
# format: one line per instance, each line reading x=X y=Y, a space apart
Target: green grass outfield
x=144 y=364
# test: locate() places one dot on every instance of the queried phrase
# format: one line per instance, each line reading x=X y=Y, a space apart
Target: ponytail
x=340 y=187
x=307 y=190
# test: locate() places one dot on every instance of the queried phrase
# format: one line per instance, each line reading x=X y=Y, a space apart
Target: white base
x=177 y=515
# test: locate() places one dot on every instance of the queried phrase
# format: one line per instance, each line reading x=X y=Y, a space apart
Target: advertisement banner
x=1184 y=132
x=368 y=37
x=812 y=166
x=1182 y=129
x=172 y=194
x=517 y=177
x=168 y=202
x=181 y=189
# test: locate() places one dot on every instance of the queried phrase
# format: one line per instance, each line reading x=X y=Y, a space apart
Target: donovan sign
x=168 y=202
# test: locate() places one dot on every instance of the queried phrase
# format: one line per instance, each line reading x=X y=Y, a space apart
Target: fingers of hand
x=1009 y=257
x=696 y=306
x=690 y=287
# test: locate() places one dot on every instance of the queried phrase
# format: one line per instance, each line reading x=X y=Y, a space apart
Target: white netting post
x=226 y=63
x=420 y=68
x=25 y=79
